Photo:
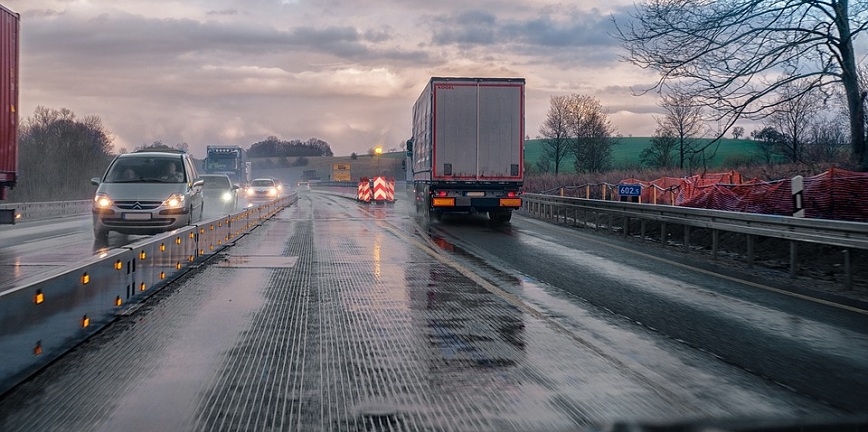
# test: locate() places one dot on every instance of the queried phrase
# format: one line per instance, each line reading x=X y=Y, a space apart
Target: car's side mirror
x=236 y=187
x=198 y=182
x=94 y=181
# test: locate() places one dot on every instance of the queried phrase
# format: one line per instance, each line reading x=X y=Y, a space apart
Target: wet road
x=341 y=316
x=34 y=248
x=756 y=321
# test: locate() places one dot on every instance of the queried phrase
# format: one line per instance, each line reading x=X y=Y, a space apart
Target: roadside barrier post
x=798 y=187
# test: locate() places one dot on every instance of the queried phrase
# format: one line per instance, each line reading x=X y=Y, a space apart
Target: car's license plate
x=137 y=216
x=475 y=194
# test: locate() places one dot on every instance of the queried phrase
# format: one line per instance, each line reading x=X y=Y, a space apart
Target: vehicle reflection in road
x=467 y=325
x=115 y=240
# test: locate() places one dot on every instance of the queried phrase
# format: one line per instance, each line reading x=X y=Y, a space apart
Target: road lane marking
x=434 y=251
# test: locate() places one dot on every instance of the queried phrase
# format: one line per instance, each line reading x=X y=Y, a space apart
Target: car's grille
x=138 y=223
x=138 y=205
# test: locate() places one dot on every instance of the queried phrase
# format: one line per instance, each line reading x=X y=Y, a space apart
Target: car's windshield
x=216 y=182
x=445 y=216
x=153 y=169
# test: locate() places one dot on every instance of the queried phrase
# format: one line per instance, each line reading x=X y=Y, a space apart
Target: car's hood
x=141 y=191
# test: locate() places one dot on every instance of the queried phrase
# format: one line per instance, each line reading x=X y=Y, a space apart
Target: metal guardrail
x=32 y=211
x=616 y=215
x=44 y=316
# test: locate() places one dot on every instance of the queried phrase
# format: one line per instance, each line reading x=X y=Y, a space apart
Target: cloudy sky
x=345 y=71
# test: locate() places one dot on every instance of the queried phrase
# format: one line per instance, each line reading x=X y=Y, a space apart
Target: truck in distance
x=9 y=44
x=230 y=160
x=467 y=147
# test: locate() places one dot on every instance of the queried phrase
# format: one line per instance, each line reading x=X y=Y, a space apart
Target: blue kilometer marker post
x=630 y=190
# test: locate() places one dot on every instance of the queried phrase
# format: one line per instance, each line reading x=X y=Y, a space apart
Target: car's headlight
x=250 y=192
x=272 y=192
x=227 y=196
x=102 y=201
x=174 y=201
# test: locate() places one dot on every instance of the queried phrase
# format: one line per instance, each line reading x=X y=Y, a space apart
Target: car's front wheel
x=100 y=235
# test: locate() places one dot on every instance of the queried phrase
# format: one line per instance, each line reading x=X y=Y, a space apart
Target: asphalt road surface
x=336 y=315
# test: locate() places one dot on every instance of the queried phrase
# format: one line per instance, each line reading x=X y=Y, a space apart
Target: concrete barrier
x=32 y=211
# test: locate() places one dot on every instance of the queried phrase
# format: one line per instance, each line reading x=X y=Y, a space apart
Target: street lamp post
x=377 y=152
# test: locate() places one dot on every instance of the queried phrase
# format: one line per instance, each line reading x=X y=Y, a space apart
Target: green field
x=625 y=154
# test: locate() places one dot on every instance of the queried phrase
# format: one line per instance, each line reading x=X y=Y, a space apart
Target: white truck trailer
x=467 y=149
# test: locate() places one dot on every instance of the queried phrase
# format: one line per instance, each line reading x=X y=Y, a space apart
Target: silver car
x=219 y=192
x=262 y=189
x=147 y=192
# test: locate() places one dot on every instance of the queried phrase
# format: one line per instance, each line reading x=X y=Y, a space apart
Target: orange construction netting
x=835 y=194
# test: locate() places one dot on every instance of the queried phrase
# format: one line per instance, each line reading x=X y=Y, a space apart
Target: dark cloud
x=556 y=35
x=478 y=27
x=347 y=71
x=40 y=13
x=224 y=12
x=578 y=31
x=384 y=34
x=111 y=38
x=471 y=27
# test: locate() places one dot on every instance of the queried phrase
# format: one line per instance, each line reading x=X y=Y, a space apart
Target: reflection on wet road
x=357 y=319
x=33 y=248
x=812 y=347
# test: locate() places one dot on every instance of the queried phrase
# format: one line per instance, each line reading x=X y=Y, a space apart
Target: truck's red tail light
x=440 y=193
x=512 y=194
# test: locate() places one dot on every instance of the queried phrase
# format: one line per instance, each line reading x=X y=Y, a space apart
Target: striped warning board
x=364 y=189
x=384 y=189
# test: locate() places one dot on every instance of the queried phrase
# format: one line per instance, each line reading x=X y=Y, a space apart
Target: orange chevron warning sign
x=384 y=189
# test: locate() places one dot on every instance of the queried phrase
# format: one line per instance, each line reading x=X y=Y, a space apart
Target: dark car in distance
x=219 y=193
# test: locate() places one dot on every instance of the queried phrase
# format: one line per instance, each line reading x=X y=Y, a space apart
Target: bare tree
x=555 y=132
x=793 y=116
x=827 y=142
x=59 y=154
x=733 y=54
x=160 y=145
x=767 y=141
x=543 y=165
x=683 y=120
x=592 y=133
x=863 y=84
x=661 y=153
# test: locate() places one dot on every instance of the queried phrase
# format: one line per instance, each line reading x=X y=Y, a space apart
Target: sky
x=234 y=72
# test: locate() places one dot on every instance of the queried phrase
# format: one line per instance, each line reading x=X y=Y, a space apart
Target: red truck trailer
x=9 y=32
x=468 y=146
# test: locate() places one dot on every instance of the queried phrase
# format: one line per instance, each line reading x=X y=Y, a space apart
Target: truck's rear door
x=478 y=129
